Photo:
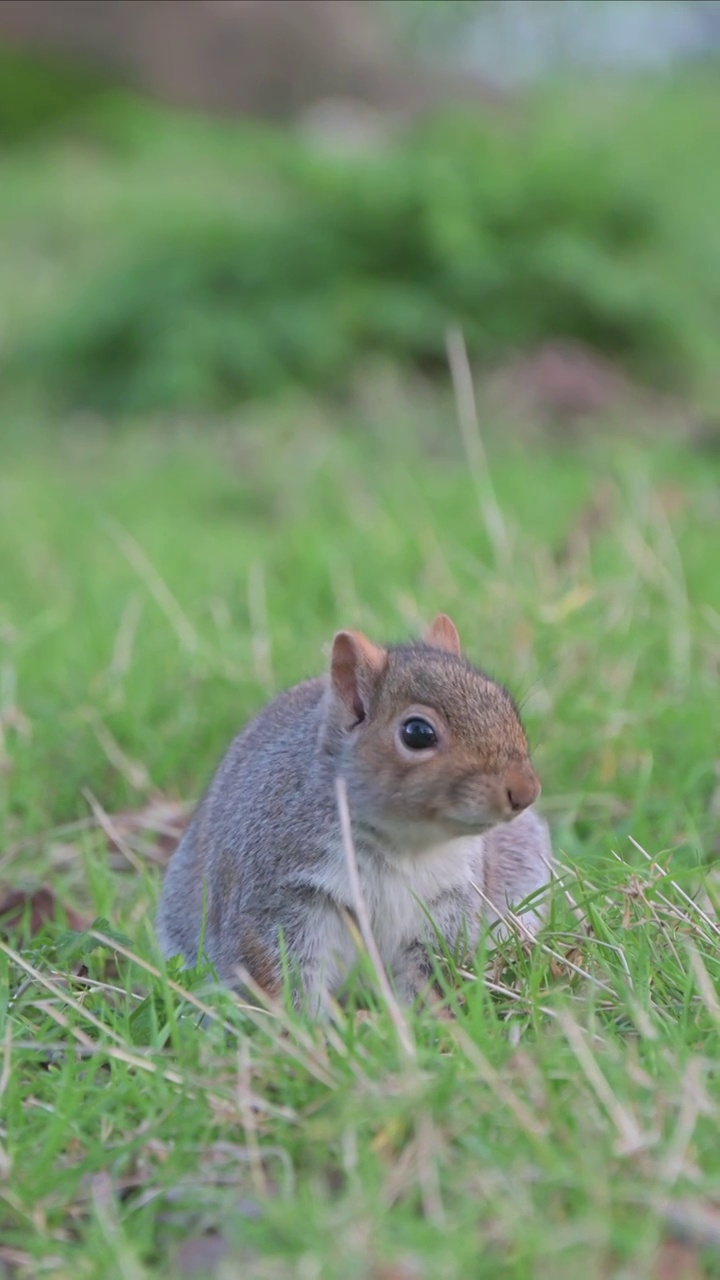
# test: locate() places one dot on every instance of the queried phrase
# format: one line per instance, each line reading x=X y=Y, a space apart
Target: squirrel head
x=429 y=746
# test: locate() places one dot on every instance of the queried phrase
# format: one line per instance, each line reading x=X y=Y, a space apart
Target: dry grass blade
x=631 y=1137
x=401 y=1027
x=693 y=1221
x=115 y=836
x=5 y=1162
x=7 y=1056
x=523 y=932
x=125 y=1262
x=500 y=1088
x=467 y=414
x=154 y=972
x=115 y=1052
x=288 y=1036
x=426 y=1155
x=63 y=997
x=261 y=647
x=689 y=902
x=247 y=1114
x=704 y=983
x=134 y=773
x=156 y=585
x=693 y=1103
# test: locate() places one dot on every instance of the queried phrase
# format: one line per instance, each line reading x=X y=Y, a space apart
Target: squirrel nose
x=523 y=788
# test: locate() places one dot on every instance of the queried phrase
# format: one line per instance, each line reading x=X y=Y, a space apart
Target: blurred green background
x=234 y=240
x=158 y=259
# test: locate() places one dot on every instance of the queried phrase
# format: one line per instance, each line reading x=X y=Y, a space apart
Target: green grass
x=157 y=587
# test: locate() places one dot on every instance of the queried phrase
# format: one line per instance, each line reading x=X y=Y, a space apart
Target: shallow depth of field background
x=325 y=313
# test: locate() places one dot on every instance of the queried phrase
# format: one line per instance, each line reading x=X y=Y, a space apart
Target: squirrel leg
x=455 y=919
x=310 y=944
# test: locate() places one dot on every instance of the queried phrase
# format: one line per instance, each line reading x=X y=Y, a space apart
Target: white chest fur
x=399 y=891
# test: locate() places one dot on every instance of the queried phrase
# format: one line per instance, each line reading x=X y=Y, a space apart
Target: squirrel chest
x=399 y=891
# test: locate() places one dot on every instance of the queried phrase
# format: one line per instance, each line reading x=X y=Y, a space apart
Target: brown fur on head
x=431 y=746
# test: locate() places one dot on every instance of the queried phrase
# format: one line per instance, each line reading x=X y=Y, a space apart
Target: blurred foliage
x=37 y=94
x=158 y=260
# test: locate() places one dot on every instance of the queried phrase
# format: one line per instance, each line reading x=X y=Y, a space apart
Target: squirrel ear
x=355 y=665
x=443 y=634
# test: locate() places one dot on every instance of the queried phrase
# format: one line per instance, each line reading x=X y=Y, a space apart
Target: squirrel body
x=440 y=791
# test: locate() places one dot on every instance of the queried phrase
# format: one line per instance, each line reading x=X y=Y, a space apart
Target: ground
x=159 y=584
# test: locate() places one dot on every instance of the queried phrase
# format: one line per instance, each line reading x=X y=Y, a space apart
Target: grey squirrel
x=440 y=791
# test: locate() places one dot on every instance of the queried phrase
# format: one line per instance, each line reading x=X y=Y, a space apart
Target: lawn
x=158 y=585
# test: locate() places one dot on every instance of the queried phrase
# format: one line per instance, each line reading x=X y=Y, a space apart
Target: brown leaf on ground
x=574 y=956
x=199 y=1255
x=403 y=1269
x=151 y=832
x=695 y=1223
x=14 y=1260
x=675 y=1260
x=21 y=911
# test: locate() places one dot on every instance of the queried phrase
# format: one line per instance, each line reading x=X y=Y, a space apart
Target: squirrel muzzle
x=522 y=787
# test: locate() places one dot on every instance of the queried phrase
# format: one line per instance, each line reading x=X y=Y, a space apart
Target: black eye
x=418 y=734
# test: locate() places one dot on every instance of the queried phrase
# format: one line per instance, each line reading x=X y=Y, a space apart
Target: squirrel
x=440 y=791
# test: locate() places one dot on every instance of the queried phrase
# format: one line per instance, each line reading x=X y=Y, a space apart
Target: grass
x=157 y=588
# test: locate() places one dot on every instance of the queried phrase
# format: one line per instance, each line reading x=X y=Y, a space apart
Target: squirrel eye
x=418 y=734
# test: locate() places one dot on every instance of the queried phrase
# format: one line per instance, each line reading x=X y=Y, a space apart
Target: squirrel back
x=433 y=755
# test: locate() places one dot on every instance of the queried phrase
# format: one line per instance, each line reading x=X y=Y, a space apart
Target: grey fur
x=263 y=855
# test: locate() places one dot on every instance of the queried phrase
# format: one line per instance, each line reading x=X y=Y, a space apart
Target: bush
x=40 y=94
x=304 y=264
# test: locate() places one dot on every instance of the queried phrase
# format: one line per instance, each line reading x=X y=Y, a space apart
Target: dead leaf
x=574 y=956
x=408 y=1269
x=152 y=832
x=677 y=1261
x=199 y=1255
x=693 y=1222
x=19 y=907
x=12 y=1259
